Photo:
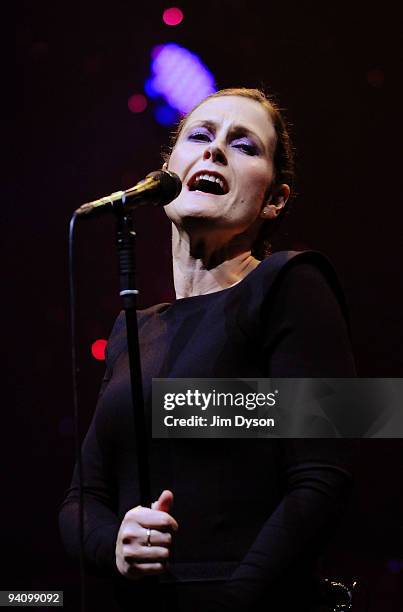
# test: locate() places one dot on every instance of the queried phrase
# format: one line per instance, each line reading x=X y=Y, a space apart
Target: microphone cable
x=77 y=441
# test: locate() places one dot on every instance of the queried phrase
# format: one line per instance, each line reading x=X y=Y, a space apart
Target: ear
x=275 y=203
x=165 y=166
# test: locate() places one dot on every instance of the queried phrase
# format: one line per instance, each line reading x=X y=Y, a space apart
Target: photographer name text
x=217 y=421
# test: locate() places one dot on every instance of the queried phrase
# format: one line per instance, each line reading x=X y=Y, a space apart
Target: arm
x=306 y=337
x=101 y=524
x=100 y=519
x=110 y=543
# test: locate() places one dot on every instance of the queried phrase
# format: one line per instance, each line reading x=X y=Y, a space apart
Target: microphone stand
x=125 y=242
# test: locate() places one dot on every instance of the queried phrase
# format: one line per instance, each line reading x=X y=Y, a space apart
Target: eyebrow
x=235 y=129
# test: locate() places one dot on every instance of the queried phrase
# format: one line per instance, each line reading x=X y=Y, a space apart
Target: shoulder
x=306 y=319
x=300 y=275
x=283 y=263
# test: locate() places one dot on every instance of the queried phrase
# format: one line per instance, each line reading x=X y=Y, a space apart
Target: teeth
x=209 y=177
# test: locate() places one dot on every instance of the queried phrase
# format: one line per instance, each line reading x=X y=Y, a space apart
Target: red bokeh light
x=98 y=349
x=172 y=16
x=137 y=103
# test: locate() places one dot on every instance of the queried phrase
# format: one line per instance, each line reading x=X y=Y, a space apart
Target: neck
x=206 y=268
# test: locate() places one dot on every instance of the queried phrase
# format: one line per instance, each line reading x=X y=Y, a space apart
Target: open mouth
x=208 y=182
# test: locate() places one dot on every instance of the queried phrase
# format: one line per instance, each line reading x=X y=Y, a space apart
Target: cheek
x=179 y=158
x=172 y=162
x=255 y=183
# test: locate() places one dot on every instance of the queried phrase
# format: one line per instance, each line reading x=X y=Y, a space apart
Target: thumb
x=164 y=502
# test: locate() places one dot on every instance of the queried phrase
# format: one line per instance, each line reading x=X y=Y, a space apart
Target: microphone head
x=170 y=186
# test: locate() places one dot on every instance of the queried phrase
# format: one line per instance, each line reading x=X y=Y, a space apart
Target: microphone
x=158 y=188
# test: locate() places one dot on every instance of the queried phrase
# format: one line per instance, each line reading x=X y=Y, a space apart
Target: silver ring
x=148 y=537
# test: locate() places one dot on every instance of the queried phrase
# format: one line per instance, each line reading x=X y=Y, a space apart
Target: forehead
x=235 y=110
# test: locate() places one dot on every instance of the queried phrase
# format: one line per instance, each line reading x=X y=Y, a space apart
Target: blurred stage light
x=98 y=349
x=149 y=89
x=137 y=103
x=166 y=115
x=172 y=16
x=179 y=77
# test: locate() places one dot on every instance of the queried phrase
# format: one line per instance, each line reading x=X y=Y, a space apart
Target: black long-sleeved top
x=252 y=513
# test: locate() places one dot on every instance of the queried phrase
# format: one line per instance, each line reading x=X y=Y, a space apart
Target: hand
x=139 y=554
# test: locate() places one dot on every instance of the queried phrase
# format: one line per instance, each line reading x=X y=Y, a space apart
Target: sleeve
x=101 y=524
x=306 y=336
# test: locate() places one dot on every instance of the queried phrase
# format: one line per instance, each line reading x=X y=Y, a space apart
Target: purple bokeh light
x=179 y=77
x=166 y=115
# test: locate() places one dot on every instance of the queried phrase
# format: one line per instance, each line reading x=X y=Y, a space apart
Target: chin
x=198 y=207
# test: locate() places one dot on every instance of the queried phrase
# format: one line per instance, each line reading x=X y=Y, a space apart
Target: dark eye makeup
x=241 y=143
x=199 y=135
x=246 y=146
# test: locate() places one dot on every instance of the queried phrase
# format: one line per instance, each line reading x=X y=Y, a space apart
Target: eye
x=199 y=136
x=246 y=146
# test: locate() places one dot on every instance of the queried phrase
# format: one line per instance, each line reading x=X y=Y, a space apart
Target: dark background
x=335 y=70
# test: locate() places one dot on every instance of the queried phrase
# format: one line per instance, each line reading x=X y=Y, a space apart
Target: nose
x=216 y=154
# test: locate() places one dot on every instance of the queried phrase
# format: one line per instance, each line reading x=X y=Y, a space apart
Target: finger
x=157 y=538
x=131 y=531
x=145 y=554
x=152 y=519
x=165 y=501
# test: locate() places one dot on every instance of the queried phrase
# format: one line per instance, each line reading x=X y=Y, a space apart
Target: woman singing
x=237 y=524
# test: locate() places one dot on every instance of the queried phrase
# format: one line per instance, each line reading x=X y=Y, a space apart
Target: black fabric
x=259 y=510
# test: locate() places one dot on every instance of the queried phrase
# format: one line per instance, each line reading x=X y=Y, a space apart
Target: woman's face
x=230 y=141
